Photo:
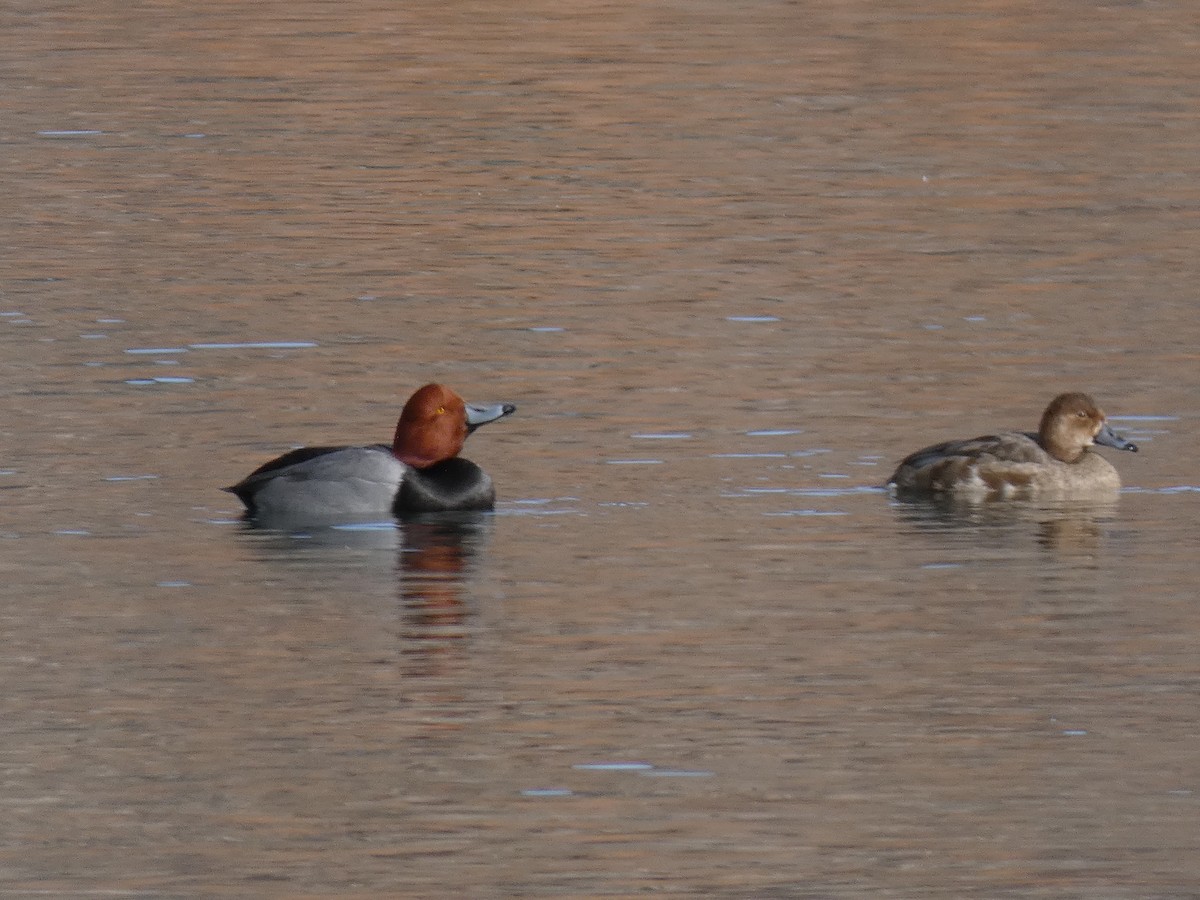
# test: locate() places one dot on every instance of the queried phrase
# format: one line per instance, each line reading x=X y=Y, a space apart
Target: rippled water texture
x=732 y=261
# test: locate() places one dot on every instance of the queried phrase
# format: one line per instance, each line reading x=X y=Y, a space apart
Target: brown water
x=731 y=260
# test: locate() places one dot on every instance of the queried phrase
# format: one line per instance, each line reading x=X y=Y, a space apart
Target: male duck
x=1054 y=461
x=420 y=472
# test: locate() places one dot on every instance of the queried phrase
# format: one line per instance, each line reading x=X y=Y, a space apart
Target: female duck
x=1057 y=460
x=420 y=472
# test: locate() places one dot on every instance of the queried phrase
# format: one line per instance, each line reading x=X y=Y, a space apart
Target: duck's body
x=420 y=472
x=1056 y=460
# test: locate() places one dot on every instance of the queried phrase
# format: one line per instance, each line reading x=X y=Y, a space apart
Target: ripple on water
x=1143 y=418
x=807 y=512
x=642 y=769
x=257 y=345
x=749 y=455
x=848 y=491
x=613 y=766
x=538 y=506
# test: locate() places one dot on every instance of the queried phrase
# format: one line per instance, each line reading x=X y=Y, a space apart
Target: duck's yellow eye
x=440 y=410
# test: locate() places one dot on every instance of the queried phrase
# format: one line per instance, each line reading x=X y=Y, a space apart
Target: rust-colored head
x=432 y=427
x=1072 y=423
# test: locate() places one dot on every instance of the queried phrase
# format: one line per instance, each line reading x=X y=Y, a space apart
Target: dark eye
x=1082 y=414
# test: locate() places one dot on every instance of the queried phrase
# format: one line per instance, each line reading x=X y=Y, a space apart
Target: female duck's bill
x=420 y=471
x=1056 y=460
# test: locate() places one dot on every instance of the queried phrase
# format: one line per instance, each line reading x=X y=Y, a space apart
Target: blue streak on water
x=1176 y=489
x=1144 y=418
x=257 y=345
x=808 y=512
x=749 y=456
x=851 y=491
x=613 y=767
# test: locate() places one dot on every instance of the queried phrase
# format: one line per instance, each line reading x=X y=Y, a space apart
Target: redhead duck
x=1054 y=461
x=420 y=472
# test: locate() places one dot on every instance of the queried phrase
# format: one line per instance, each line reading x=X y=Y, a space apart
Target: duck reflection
x=279 y=536
x=1063 y=528
x=430 y=555
x=438 y=551
x=1051 y=555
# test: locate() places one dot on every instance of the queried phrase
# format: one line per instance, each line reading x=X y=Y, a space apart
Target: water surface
x=731 y=261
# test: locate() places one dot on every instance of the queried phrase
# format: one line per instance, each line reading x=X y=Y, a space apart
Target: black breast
x=452 y=484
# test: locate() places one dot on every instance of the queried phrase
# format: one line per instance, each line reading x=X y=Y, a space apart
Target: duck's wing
x=305 y=463
x=954 y=464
